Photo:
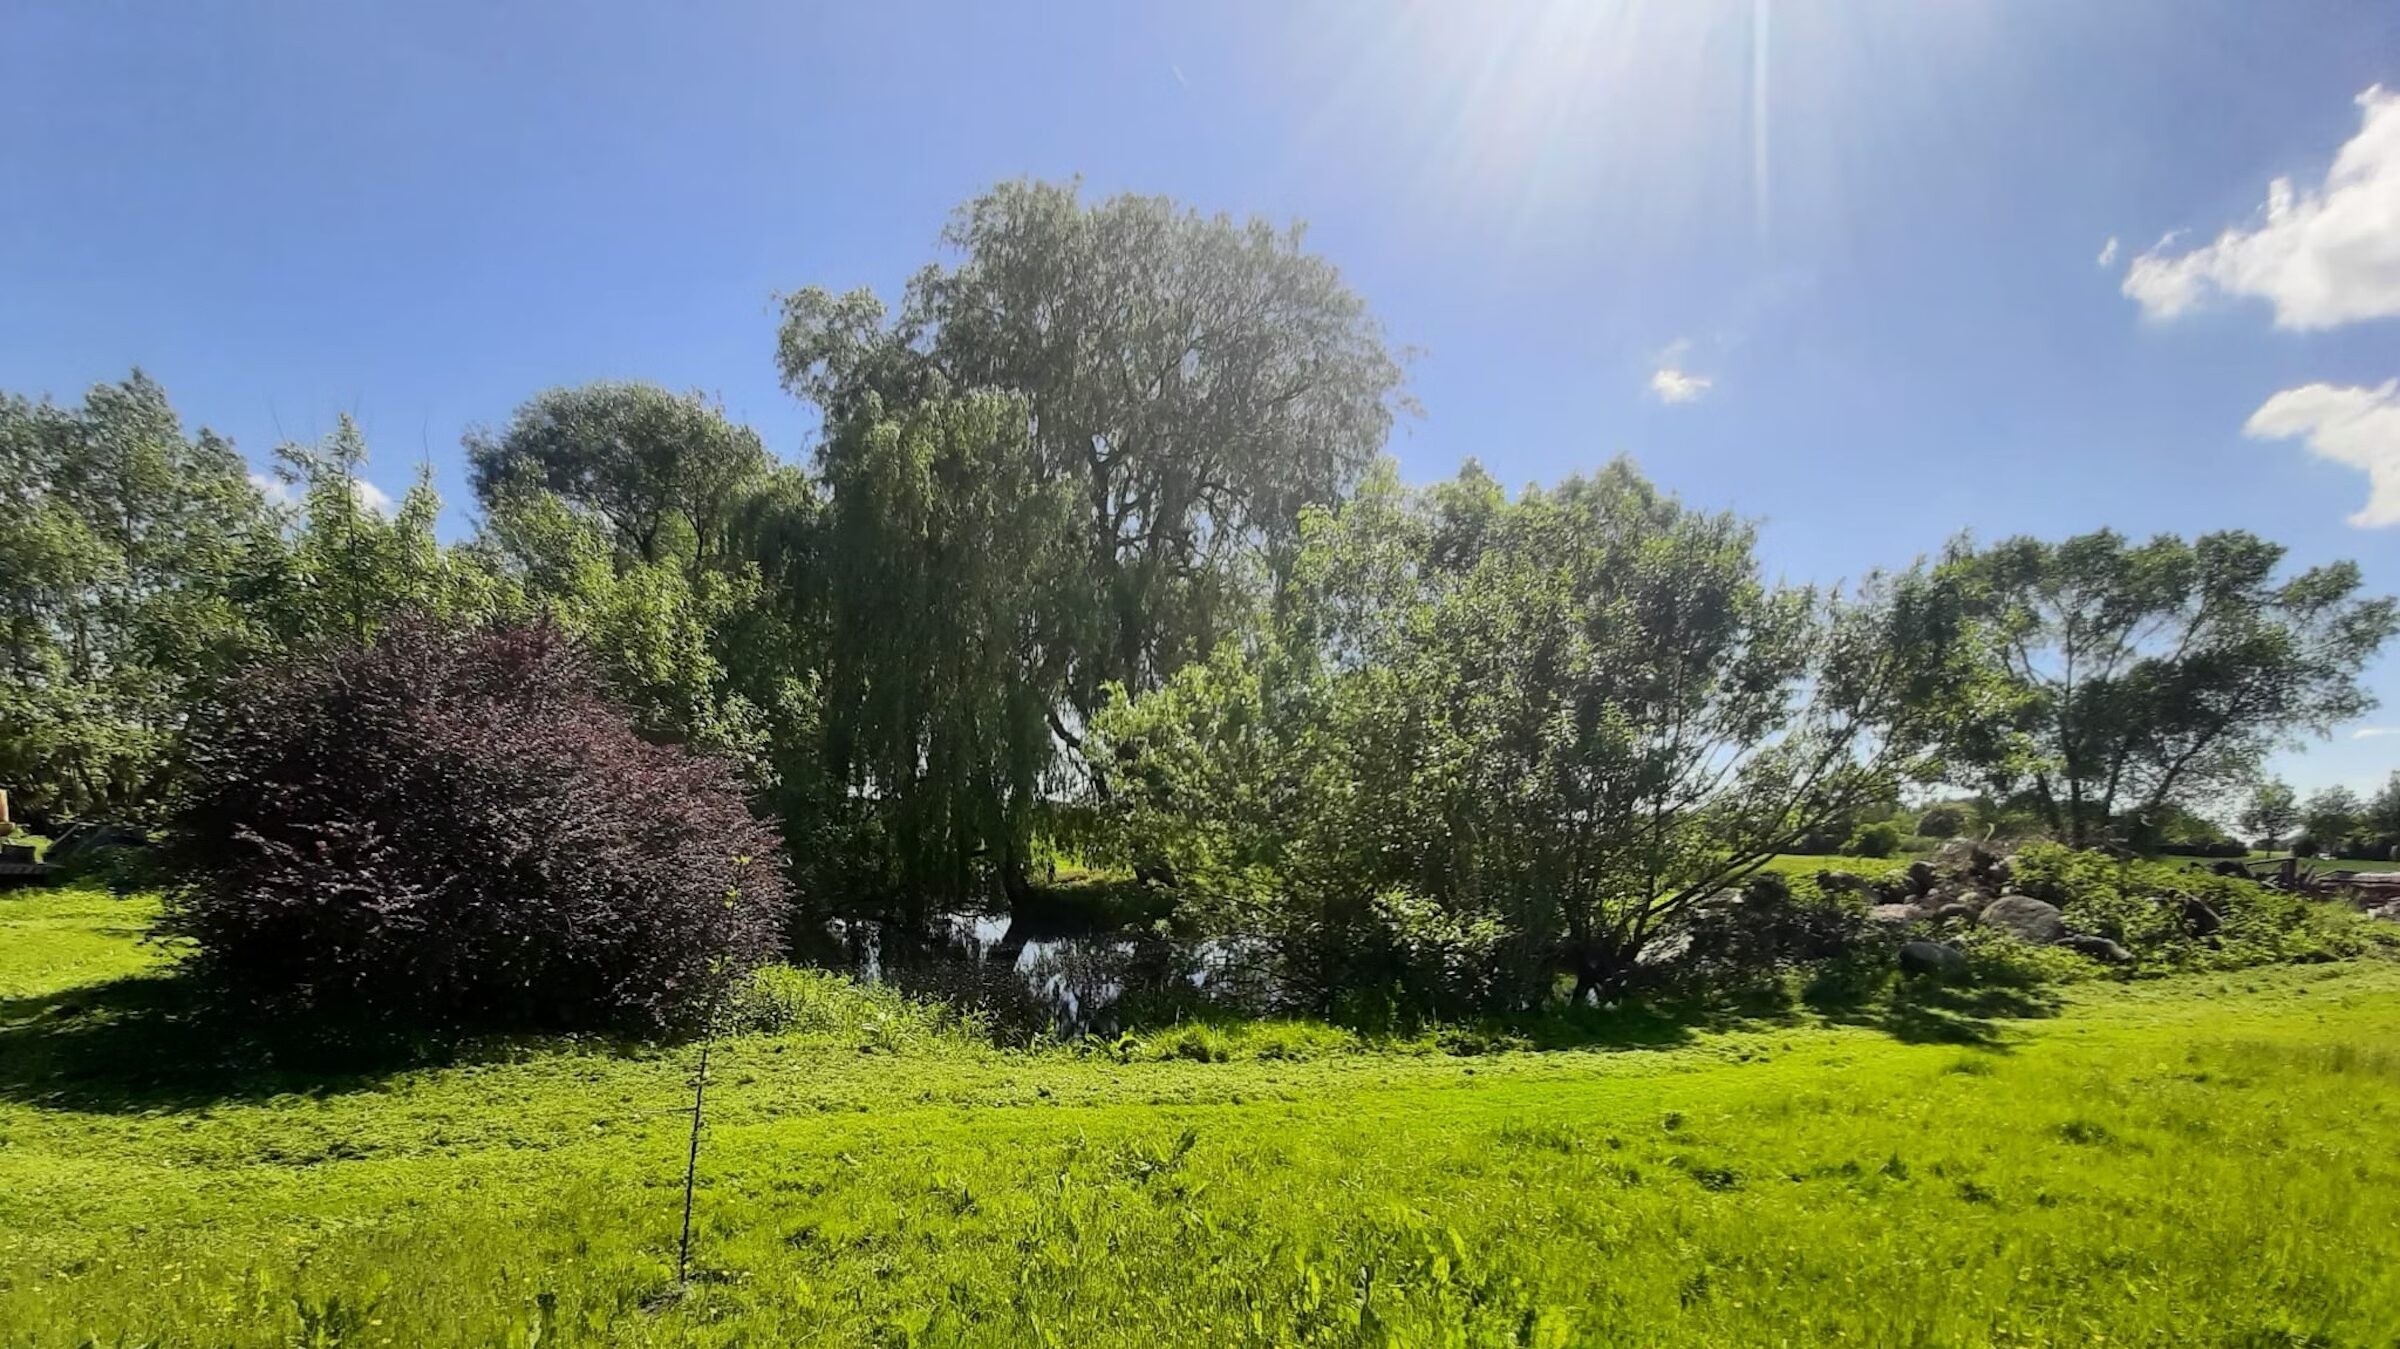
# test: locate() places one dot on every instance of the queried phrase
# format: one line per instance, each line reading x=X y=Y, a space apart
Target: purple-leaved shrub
x=455 y=829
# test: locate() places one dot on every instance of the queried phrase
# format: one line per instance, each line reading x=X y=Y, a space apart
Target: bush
x=120 y=868
x=455 y=830
x=1736 y=943
x=818 y=1004
x=2359 y=848
x=2143 y=906
x=2001 y=961
x=1880 y=839
x=1434 y=960
x=1942 y=822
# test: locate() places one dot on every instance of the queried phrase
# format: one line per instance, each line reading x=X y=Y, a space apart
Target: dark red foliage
x=455 y=829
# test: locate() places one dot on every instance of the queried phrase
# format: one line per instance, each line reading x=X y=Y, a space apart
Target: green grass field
x=1809 y=864
x=2195 y=1161
x=2330 y=863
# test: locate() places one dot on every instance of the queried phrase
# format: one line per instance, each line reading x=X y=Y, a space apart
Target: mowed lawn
x=1809 y=864
x=2201 y=1161
x=2324 y=865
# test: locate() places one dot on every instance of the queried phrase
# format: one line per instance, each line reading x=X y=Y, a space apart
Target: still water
x=1066 y=982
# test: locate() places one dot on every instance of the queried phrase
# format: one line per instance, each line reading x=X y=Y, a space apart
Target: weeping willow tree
x=952 y=568
x=1172 y=392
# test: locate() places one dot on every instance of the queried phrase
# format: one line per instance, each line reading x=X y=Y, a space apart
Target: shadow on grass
x=1652 y=1020
x=1659 y=1022
x=152 y=1042
x=1929 y=1011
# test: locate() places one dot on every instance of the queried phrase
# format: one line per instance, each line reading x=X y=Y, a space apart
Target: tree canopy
x=2161 y=673
x=1096 y=554
x=126 y=551
x=666 y=471
x=1498 y=738
x=1194 y=383
x=2272 y=811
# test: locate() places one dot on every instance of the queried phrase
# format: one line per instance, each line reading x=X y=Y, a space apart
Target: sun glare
x=1543 y=112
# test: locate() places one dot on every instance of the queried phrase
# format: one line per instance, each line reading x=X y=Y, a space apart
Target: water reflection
x=1067 y=982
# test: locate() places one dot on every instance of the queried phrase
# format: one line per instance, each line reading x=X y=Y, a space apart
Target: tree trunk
x=1600 y=972
x=1015 y=882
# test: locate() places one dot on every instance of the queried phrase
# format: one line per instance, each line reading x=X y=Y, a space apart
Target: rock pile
x=2377 y=893
x=1968 y=884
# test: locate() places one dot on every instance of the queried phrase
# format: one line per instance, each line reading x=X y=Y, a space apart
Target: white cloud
x=274 y=489
x=281 y=493
x=2322 y=257
x=1671 y=383
x=2108 y=252
x=1677 y=386
x=2349 y=425
x=2370 y=732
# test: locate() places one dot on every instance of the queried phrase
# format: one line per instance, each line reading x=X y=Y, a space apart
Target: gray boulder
x=1895 y=914
x=2098 y=948
x=1931 y=958
x=1955 y=855
x=2025 y=918
x=1955 y=911
x=1665 y=949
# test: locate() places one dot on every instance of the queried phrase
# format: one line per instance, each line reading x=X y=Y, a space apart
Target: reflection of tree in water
x=1028 y=981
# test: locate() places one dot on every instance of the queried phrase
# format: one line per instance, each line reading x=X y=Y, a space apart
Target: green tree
x=653 y=633
x=687 y=563
x=2159 y=674
x=1194 y=382
x=349 y=564
x=950 y=557
x=2272 y=811
x=123 y=551
x=1500 y=739
x=2331 y=816
x=2381 y=815
x=666 y=471
x=1946 y=819
x=1184 y=387
x=1878 y=839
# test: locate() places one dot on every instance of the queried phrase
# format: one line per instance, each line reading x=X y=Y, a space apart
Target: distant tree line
x=1097 y=552
x=2335 y=822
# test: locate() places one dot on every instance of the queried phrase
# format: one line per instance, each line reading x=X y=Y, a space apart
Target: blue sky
x=1832 y=265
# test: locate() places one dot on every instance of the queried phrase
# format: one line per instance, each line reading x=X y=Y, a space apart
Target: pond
x=1063 y=980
